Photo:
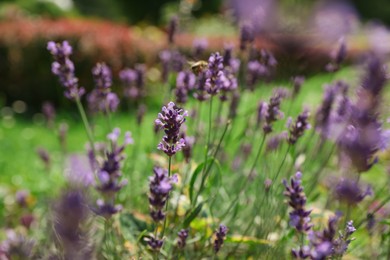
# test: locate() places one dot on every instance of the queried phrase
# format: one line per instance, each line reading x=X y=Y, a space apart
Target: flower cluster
x=350 y=192
x=215 y=77
x=220 y=235
x=108 y=164
x=337 y=56
x=299 y=217
x=182 y=238
x=101 y=98
x=170 y=119
x=160 y=184
x=133 y=81
x=185 y=82
x=271 y=113
x=298 y=128
x=63 y=67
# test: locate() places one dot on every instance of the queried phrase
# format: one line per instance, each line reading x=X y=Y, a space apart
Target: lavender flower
x=101 y=98
x=200 y=87
x=351 y=192
x=185 y=82
x=187 y=149
x=71 y=214
x=340 y=245
x=299 y=217
x=159 y=187
x=62 y=135
x=49 y=113
x=199 y=46
x=16 y=246
x=246 y=35
x=298 y=128
x=172 y=27
x=154 y=243
x=337 y=57
x=321 y=242
x=108 y=166
x=234 y=104
x=274 y=142
x=63 y=67
x=133 y=81
x=272 y=113
x=215 y=77
x=301 y=253
x=182 y=238
x=322 y=118
x=44 y=156
x=372 y=84
x=220 y=235
x=297 y=82
x=170 y=119
x=256 y=71
x=141 y=113
x=21 y=198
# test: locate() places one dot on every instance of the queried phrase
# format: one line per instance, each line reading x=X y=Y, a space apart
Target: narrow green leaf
x=194 y=213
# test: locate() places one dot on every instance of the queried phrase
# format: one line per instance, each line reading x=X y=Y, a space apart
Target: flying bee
x=198 y=66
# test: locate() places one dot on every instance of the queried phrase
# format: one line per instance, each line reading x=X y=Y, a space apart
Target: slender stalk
x=86 y=123
x=281 y=165
x=243 y=186
x=204 y=177
x=166 y=206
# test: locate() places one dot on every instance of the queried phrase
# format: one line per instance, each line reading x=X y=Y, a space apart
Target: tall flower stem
x=281 y=164
x=204 y=177
x=167 y=204
x=86 y=123
x=243 y=186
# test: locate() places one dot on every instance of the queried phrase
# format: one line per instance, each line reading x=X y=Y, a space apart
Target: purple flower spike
x=63 y=67
x=215 y=76
x=351 y=192
x=299 y=217
x=159 y=187
x=182 y=238
x=154 y=243
x=272 y=113
x=298 y=128
x=220 y=235
x=170 y=119
x=101 y=98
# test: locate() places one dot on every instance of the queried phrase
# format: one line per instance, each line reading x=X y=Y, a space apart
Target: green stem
x=167 y=203
x=281 y=165
x=86 y=124
x=243 y=186
x=204 y=177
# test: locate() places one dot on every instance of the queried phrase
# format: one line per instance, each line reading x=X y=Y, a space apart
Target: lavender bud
x=246 y=35
x=182 y=238
x=220 y=235
x=154 y=243
x=199 y=46
x=297 y=84
x=44 y=156
x=172 y=27
x=272 y=113
x=49 y=113
x=298 y=128
x=350 y=192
